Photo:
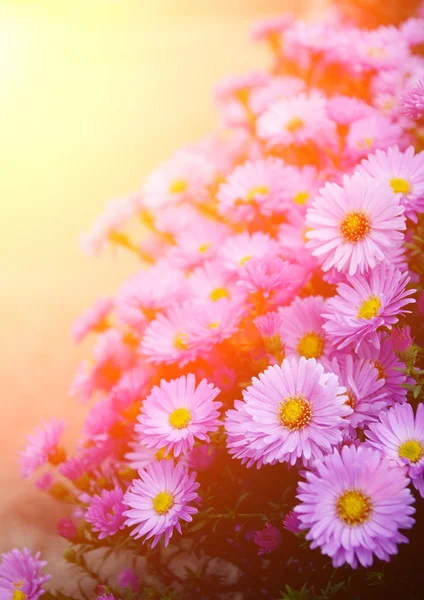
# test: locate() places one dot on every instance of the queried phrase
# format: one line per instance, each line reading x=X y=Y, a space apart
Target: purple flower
x=20 y=575
x=42 y=447
x=105 y=512
x=401 y=339
x=128 y=579
x=268 y=539
x=291 y=522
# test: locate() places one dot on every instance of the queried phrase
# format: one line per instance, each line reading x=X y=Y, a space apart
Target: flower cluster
x=270 y=322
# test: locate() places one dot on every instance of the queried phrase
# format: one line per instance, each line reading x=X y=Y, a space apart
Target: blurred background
x=93 y=95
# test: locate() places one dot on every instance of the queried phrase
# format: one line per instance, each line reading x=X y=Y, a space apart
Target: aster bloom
x=20 y=575
x=43 y=447
x=365 y=304
x=290 y=412
x=269 y=327
x=184 y=177
x=159 y=499
x=412 y=31
x=211 y=323
x=371 y=133
x=413 y=100
x=127 y=578
x=127 y=394
x=351 y=227
x=301 y=328
x=345 y=110
x=197 y=245
x=400 y=436
x=291 y=522
x=297 y=120
x=106 y=512
x=212 y=282
x=94 y=319
x=178 y=412
x=363 y=388
x=249 y=188
x=381 y=48
x=108 y=225
x=66 y=528
x=404 y=171
x=148 y=293
x=401 y=339
x=239 y=249
x=359 y=515
x=268 y=539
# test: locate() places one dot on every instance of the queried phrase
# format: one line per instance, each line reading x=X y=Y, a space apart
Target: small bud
x=67 y=529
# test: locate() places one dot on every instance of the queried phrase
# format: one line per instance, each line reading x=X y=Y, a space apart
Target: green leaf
x=241 y=499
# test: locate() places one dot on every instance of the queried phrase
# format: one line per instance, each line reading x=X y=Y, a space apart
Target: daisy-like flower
x=363 y=388
x=147 y=293
x=211 y=282
x=238 y=87
x=165 y=339
x=178 y=412
x=412 y=31
x=212 y=322
x=269 y=326
x=401 y=339
x=159 y=499
x=94 y=319
x=404 y=171
x=296 y=121
x=381 y=48
x=345 y=110
x=400 y=436
x=365 y=304
x=268 y=539
x=249 y=187
x=130 y=389
x=239 y=249
x=351 y=227
x=413 y=100
x=43 y=447
x=198 y=244
x=270 y=30
x=301 y=328
x=272 y=280
x=127 y=578
x=291 y=522
x=371 y=133
x=184 y=177
x=359 y=515
x=276 y=89
x=20 y=575
x=106 y=512
x=291 y=412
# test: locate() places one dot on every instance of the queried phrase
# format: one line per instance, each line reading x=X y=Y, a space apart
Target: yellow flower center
x=301 y=198
x=355 y=227
x=295 y=412
x=178 y=186
x=163 y=502
x=376 y=52
x=273 y=344
x=381 y=370
x=180 y=418
x=400 y=185
x=369 y=308
x=214 y=325
x=161 y=454
x=19 y=595
x=259 y=190
x=179 y=341
x=353 y=507
x=57 y=456
x=204 y=247
x=218 y=293
x=311 y=345
x=351 y=399
x=366 y=142
x=295 y=124
x=244 y=260
x=412 y=450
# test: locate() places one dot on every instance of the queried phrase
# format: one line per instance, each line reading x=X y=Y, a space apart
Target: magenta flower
x=291 y=522
x=400 y=437
x=106 y=512
x=159 y=499
x=202 y=458
x=66 y=528
x=353 y=226
x=177 y=413
x=401 y=339
x=20 y=575
x=94 y=319
x=268 y=539
x=127 y=578
x=360 y=513
x=291 y=412
x=413 y=100
x=43 y=447
x=365 y=304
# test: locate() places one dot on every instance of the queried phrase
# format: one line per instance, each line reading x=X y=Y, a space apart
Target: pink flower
x=20 y=575
x=66 y=528
x=268 y=28
x=198 y=244
x=212 y=282
x=177 y=413
x=400 y=437
x=371 y=133
x=94 y=319
x=353 y=226
x=106 y=512
x=404 y=171
x=401 y=339
x=159 y=499
x=413 y=100
x=237 y=250
x=365 y=304
x=301 y=328
x=202 y=458
x=345 y=110
x=211 y=323
x=268 y=539
x=359 y=515
x=291 y=522
x=46 y=480
x=131 y=388
x=297 y=120
x=290 y=412
x=127 y=578
x=43 y=447
x=184 y=177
